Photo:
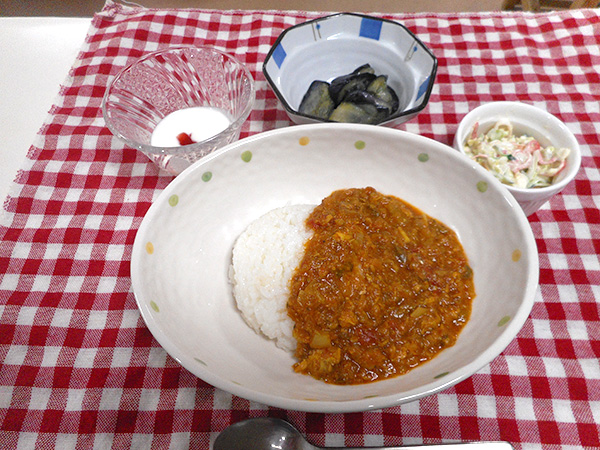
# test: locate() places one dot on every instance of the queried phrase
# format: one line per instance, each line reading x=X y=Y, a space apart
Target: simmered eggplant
x=352 y=113
x=378 y=110
x=358 y=97
x=342 y=86
x=317 y=102
x=383 y=92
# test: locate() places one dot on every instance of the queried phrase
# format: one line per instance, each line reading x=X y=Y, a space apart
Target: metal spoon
x=276 y=434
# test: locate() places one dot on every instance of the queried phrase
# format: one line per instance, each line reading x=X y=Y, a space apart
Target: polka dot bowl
x=182 y=253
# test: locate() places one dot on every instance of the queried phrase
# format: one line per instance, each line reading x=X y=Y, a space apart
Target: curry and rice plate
x=360 y=288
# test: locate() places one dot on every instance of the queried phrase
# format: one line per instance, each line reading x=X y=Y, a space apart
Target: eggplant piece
x=377 y=108
x=352 y=113
x=358 y=97
x=368 y=98
x=365 y=68
x=385 y=93
x=342 y=85
x=317 y=102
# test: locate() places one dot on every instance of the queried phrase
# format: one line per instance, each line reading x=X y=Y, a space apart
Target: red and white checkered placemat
x=78 y=367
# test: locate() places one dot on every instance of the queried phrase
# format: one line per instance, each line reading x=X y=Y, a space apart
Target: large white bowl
x=325 y=48
x=183 y=248
x=532 y=121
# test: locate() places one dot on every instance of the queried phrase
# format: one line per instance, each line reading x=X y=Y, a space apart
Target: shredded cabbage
x=518 y=161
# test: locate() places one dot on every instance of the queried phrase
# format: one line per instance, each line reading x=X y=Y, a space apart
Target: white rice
x=265 y=256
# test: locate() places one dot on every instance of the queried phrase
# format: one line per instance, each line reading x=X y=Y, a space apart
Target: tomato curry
x=381 y=288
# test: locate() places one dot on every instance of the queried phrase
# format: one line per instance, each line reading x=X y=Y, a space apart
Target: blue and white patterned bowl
x=335 y=45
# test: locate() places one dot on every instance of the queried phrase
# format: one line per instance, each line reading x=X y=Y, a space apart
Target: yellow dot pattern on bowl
x=173 y=200
x=423 y=157
x=149 y=248
x=154 y=306
x=503 y=321
x=441 y=375
x=516 y=255
x=304 y=140
x=200 y=361
x=360 y=145
x=206 y=176
x=482 y=186
x=247 y=156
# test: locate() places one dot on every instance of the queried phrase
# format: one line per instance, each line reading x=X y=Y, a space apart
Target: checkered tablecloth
x=78 y=367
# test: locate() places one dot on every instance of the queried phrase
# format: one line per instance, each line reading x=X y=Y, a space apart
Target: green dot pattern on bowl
x=360 y=145
x=247 y=156
x=503 y=321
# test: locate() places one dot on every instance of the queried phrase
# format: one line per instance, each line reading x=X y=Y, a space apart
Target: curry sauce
x=381 y=288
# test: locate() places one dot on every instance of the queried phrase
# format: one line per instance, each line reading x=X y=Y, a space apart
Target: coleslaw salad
x=516 y=160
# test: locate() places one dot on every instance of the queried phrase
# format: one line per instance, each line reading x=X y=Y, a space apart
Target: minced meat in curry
x=382 y=288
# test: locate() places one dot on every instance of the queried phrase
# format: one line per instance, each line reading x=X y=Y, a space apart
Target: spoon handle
x=460 y=446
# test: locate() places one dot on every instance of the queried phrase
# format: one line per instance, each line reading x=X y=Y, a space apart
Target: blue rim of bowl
x=403 y=113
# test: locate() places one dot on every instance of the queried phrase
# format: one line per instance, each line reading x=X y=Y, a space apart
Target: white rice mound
x=264 y=258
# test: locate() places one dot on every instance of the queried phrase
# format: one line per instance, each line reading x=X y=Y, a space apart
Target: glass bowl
x=172 y=79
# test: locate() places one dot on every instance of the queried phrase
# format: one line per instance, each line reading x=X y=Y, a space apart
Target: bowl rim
x=183 y=149
x=397 y=115
x=575 y=149
x=358 y=405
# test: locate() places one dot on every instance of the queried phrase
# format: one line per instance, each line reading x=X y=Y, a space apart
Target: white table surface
x=36 y=56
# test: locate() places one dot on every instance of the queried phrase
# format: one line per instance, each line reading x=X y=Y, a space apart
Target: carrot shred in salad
x=518 y=161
